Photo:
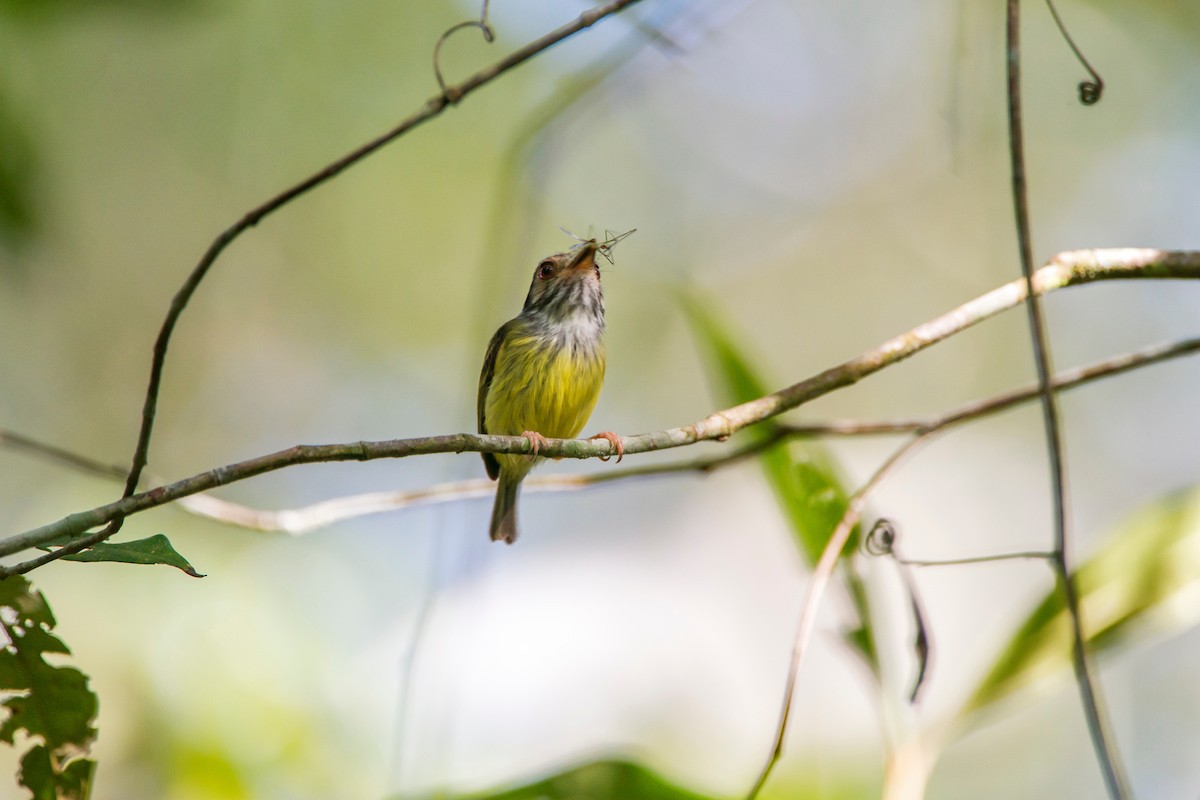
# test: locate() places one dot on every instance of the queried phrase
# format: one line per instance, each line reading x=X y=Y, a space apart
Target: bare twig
x=1066 y=270
x=20 y=442
x=297 y=521
x=1024 y=555
x=816 y=590
x=432 y=108
x=1098 y=727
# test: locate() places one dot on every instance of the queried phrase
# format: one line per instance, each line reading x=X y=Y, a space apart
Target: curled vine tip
x=1090 y=91
x=489 y=36
x=881 y=540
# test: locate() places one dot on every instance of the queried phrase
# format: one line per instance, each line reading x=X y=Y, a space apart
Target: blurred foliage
x=20 y=177
x=18 y=172
x=624 y=780
x=207 y=772
x=600 y=780
x=155 y=549
x=52 y=705
x=1149 y=571
x=41 y=9
x=804 y=475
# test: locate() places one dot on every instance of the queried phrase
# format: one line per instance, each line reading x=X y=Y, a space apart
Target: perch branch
x=298 y=521
x=1067 y=269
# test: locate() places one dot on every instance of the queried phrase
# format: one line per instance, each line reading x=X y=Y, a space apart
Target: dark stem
x=1097 y=724
x=1089 y=91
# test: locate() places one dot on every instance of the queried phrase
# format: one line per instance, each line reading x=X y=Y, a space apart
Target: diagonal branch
x=1067 y=269
x=306 y=519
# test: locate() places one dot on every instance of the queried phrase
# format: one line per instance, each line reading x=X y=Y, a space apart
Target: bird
x=542 y=373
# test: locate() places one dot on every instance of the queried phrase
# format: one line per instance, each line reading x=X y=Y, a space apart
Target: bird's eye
x=545 y=270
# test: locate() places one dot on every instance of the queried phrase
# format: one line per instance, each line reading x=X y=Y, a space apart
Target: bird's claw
x=615 y=441
x=536 y=441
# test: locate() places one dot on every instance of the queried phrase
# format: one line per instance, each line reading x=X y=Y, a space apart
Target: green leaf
x=53 y=705
x=75 y=781
x=44 y=10
x=18 y=168
x=1147 y=573
x=601 y=780
x=804 y=475
x=38 y=775
x=156 y=549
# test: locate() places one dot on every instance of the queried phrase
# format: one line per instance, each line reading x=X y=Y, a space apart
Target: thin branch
x=816 y=590
x=1068 y=379
x=432 y=108
x=1067 y=270
x=20 y=442
x=1024 y=555
x=297 y=521
x=1098 y=726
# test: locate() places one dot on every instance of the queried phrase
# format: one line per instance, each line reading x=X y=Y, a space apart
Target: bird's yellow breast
x=544 y=386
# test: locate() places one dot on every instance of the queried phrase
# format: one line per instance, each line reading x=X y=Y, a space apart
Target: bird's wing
x=485 y=383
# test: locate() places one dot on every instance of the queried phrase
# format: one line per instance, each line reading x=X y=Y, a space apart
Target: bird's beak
x=586 y=257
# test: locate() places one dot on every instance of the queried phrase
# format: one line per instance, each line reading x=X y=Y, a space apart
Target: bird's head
x=566 y=284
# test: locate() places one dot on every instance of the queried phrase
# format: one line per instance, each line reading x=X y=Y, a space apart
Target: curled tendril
x=881 y=540
x=1089 y=91
x=488 y=36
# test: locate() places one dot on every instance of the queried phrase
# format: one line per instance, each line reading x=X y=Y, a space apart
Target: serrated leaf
x=51 y=704
x=31 y=606
x=75 y=781
x=156 y=549
x=1148 y=572
x=37 y=775
x=804 y=475
x=59 y=707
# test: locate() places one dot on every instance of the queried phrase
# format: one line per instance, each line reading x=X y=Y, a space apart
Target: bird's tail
x=504 y=512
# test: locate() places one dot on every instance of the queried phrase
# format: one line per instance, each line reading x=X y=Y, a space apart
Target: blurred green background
x=827 y=175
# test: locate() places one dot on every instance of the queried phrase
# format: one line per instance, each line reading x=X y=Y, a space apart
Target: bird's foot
x=615 y=441
x=536 y=441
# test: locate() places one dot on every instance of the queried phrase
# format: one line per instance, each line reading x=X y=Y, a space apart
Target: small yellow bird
x=543 y=371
